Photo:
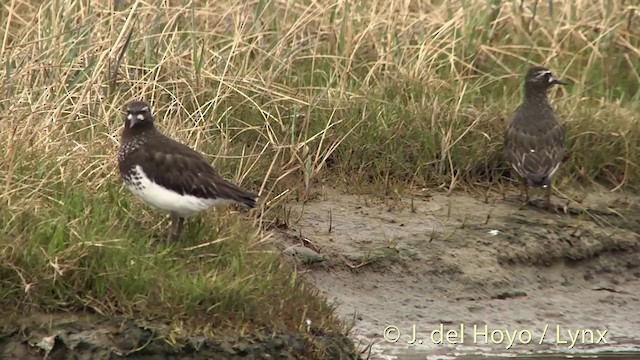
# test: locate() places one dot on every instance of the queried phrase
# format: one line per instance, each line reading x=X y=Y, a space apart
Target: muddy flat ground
x=431 y=259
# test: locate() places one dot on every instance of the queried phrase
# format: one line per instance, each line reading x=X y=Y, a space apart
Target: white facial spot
x=532 y=151
x=144 y=109
x=130 y=117
x=542 y=73
x=551 y=79
x=140 y=117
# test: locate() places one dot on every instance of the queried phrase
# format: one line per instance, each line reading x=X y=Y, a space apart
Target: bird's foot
x=172 y=237
x=551 y=207
x=526 y=202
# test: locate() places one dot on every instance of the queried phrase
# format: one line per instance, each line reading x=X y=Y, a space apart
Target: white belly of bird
x=164 y=199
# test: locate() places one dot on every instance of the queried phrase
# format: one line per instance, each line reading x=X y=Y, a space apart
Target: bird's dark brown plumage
x=534 y=139
x=176 y=167
x=170 y=175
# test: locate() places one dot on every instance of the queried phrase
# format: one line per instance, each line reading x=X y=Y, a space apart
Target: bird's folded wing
x=534 y=153
x=181 y=169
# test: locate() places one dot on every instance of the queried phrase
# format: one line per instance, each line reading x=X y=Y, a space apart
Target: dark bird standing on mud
x=169 y=175
x=534 y=139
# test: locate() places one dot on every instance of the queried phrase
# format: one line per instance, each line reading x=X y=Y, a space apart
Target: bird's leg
x=176 y=227
x=550 y=205
x=524 y=193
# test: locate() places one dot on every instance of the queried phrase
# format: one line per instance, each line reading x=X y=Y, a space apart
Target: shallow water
x=633 y=353
x=626 y=349
x=616 y=356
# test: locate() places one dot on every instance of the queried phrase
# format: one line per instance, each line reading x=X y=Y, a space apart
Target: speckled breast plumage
x=131 y=177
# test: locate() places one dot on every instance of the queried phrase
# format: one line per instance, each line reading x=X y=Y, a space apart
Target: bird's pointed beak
x=132 y=120
x=558 y=82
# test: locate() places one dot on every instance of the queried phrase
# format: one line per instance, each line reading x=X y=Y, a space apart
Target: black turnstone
x=169 y=175
x=534 y=139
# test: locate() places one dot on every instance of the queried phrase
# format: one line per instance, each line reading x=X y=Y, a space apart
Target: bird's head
x=138 y=115
x=540 y=78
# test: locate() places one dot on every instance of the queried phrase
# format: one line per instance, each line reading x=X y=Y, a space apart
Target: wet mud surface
x=434 y=262
x=84 y=336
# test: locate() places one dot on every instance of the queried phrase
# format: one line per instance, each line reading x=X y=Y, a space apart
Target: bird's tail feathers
x=243 y=197
x=249 y=201
x=538 y=180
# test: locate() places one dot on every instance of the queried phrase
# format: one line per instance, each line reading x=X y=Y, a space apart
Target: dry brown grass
x=376 y=95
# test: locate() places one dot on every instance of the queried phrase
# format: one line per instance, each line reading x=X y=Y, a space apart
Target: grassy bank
x=377 y=95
